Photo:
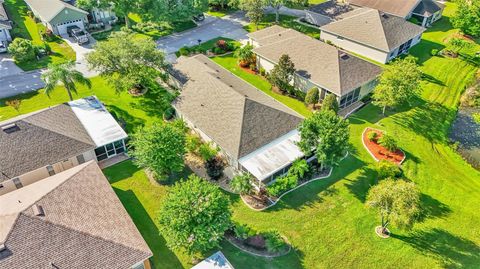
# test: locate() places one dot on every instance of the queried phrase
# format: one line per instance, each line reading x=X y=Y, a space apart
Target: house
x=255 y=133
x=44 y=143
x=71 y=220
x=5 y=27
x=329 y=11
x=317 y=64
x=425 y=12
x=216 y=261
x=373 y=34
x=58 y=15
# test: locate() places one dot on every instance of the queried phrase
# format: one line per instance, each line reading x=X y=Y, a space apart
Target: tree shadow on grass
x=432 y=208
x=22 y=96
x=155 y=102
x=125 y=119
x=450 y=250
x=360 y=186
x=162 y=255
x=432 y=79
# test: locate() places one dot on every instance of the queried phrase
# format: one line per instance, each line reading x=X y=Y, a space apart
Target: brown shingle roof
x=84 y=225
x=236 y=115
x=400 y=8
x=321 y=63
x=272 y=30
x=375 y=29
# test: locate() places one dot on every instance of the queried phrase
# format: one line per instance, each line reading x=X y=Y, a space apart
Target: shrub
x=193 y=142
x=330 y=103
x=372 y=136
x=242 y=231
x=262 y=71
x=30 y=14
x=476 y=117
x=214 y=167
x=253 y=67
x=386 y=169
x=434 y=52
x=299 y=169
x=185 y=51
x=282 y=184
x=242 y=184
x=222 y=44
x=207 y=151
x=22 y=50
x=388 y=142
x=169 y=113
x=231 y=46
x=218 y=50
x=273 y=241
x=312 y=96
x=14 y=103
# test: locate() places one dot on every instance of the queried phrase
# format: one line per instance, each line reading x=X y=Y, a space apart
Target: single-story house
x=255 y=132
x=373 y=34
x=317 y=64
x=57 y=15
x=216 y=261
x=425 y=11
x=5 y=27
x=71 y=220
x=44 y=143
x=329 y=11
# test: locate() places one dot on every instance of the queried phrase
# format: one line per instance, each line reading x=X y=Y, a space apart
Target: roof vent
x=10 y=128
x=231 y=86
x=2 y=247
x=384 y=15
x=344 y=56
x=38 y=210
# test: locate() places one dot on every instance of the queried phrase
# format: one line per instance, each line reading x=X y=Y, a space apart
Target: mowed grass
x=26 y=27
x=167 y=28
x=285 y=21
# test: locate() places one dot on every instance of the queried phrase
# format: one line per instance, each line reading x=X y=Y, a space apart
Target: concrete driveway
x=81 y=51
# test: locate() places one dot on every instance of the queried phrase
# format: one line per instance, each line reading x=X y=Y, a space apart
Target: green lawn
x=167 y=28
x=208 y=45
x=27 y=28
x=285 y=21
x=221 y=13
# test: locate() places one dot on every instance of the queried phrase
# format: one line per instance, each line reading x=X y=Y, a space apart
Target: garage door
x=62 y=28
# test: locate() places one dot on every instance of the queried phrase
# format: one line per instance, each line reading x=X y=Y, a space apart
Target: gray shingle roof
x=49 y=9
x=427 y=8
x=400 y=8
x=84 y=225
x=324 y=65
x=272 y=30
x=42 y=138
x=237 y=116
x=335 y=10
x=3 y=12
x=375 y=29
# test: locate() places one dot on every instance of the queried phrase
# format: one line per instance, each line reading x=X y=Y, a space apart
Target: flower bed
x=268 y=244
x=379 y=152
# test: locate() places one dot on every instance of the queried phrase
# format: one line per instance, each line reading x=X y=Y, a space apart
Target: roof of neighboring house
x=335 y=10
x=49 y=9
x=400 y=8
x=4 y=20
x=73 y=219
x=375 y=29
x=235 y=115
x=49 y=136
x=427 y=8
x=324 y=65
x=216 y=261
x=272 y=30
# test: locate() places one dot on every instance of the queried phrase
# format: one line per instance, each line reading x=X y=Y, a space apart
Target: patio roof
x=273 y=157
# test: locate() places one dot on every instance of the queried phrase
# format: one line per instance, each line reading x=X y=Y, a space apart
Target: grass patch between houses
x=284 y=21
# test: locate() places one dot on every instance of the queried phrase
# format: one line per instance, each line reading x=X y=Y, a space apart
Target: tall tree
x=172 y=10
x=312 y=97
x=330 y=103
x=467 y=17
x=254 y=10
x=128 y=62
x=399 y=83
x=159 y=148
x=397 y=201
x=325 y=134
x=194 y=216
x=66 y=75
x=90 y=4
x=125 y=7
x=242 y=184
x=283 y=72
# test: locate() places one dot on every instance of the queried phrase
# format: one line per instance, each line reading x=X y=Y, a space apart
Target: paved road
x=20 y=83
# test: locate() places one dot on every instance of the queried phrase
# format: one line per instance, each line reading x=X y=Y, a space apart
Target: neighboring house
x=57 y=15
x=255 y=133
x=5 y=27
x=373 y=34
x=71 y=220
x=47 y=142
x=216 y=261
x=425 y=11
x=103 y=15
x=329 y=11
x=317 y=64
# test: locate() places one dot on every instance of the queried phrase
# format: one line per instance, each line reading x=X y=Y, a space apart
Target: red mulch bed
x=380 y=152
x=248 y=70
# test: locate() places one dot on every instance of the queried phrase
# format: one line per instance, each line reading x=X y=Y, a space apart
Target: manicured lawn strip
x=221 y=13
x=205 y=46
x=230 y=63
x=27 y=28
x=285 y=21
x=168 y=28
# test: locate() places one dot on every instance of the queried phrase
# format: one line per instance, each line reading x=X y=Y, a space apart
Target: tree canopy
x=128 y=62
x=313 y=96
x=242 y=183
x=194 y=216
x=282 y=74
x=65 y=74
x=330 y=103
x=467 y=17
x=254 y=10
x=22 y=50
x=159 y=148
x=399 y=83
x=325 y=134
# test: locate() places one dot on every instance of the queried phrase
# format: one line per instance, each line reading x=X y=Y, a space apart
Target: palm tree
x=66 y=74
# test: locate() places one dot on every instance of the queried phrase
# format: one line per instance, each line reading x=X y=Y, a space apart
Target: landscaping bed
x=379 y=152
x=268 y=244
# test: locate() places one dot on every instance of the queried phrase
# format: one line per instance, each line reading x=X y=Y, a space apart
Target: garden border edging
x=371 y=154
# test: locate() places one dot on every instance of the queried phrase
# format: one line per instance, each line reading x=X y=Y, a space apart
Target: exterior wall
x=265 y=64
x=103 y=15
x=367 y=88
x=68 y=15
x=316 y=19
x=374 y=54
x=61 y=28
x=41 y=173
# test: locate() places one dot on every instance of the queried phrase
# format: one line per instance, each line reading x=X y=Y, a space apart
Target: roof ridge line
x=383 y=28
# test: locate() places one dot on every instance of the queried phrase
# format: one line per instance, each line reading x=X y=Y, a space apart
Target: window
x=80 y=159
x=350 y=98
x=119 y=147
x=101 y=153
x=17 y=183
x=50 y=170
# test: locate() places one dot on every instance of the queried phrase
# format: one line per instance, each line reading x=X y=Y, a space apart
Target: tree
x=242 y=183
x=90 y=4
x=399 y=83
x=299 y=169
x=467 y=17
x=330 y=103
x=128 y=62
x=386 y=169
x=245 y=55
x=172 y=10
x=254 y=10
x=194 y=216
x=282 y=73
x=22 y=50
x=388 y=142
x=327 y=135
x=397 y=201
x=159 y=148
x=312 y=97
x=14 y=103
x=65 y=74
x=125 y=7
x=456 y=45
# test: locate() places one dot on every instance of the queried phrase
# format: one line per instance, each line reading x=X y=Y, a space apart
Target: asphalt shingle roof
x=49 y=9
x=237 y=116
x=335 y=10
x=427 y=8
x=375 y=29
